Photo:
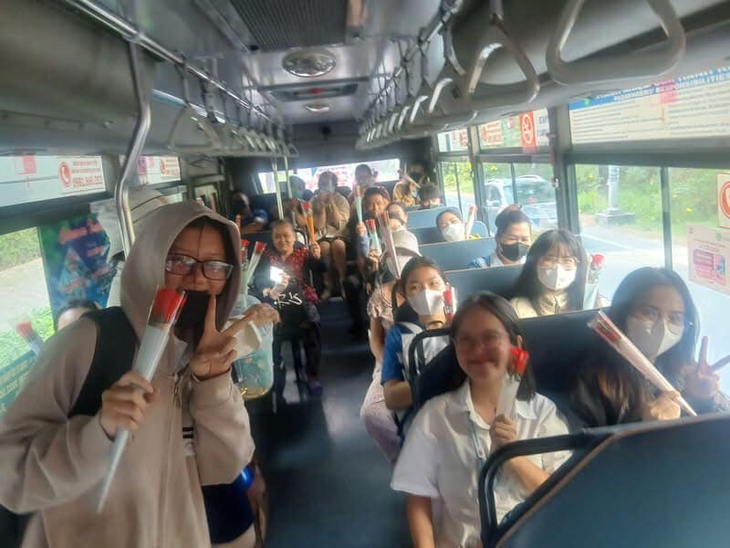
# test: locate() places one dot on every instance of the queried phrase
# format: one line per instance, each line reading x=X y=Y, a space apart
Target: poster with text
x=75 y=253
x=709 y=254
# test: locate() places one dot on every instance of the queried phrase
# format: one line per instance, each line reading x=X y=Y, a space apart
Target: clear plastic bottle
x=254 y=373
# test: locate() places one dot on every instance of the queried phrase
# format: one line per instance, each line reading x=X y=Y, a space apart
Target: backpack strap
x=116 y=343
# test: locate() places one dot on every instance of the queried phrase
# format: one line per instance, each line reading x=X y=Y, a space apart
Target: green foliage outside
x=461 y=171
x=18 y=248
x=693 y=195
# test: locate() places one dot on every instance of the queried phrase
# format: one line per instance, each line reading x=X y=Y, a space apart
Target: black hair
x=428 y=192
x=453 y=210
x=414 y=264
x=511 y=215
x=74 y=303
x=608 y=389
x=528 y=285
x=327 y=178
x=499 y=307
x=373 y=190
x=363 y=167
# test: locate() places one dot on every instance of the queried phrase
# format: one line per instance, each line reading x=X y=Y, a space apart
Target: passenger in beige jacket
x=53 y=466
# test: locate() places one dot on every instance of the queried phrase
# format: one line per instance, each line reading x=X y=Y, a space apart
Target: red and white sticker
x=80 y=174
x=723 y=200
x=528 y=133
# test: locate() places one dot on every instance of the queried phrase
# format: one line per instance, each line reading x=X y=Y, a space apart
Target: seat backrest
x=556 y=345
x=458 y=255
x=423 y=217
x=651 y=484
x=499 y=279
x=442 y=375
x=431 y=234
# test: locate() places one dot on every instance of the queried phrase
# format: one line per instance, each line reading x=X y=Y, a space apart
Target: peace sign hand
x=216 y=350
x=703 y=382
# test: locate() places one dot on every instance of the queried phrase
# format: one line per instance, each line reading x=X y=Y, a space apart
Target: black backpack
x=116 y=342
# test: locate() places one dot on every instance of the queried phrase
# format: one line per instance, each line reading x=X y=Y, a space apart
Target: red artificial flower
x=597 y=260
x=167 y=304
x=519 y=359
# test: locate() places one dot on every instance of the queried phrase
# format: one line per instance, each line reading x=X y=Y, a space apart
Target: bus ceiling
x=246 y=77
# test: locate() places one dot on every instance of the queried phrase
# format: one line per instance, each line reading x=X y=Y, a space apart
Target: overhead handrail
x=425 y=90
x=129 y=167
x=495 y=38
x=202 y=123
x=652 y=62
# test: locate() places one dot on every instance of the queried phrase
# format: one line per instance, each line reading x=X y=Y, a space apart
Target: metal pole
x=132 y=34
x=141 y=128
x=279 y=203
x=666 y=217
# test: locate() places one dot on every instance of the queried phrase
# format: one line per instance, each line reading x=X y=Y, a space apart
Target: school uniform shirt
x=439 y=460
x=397 y=342
x=491 y=260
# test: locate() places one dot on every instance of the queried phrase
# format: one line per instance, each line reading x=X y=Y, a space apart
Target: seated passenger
x=296 y=298
x=554 y=277
x=398 y=217
x=406 y=191
x=363 y=181
x=72 y=311
x=654 y=308
x=375 y=415
x=330 y=212
x=189 y=420
x=299 y=189
x=252 y=221
x=429 y=196
x=513 y=239
x=423 y=283
x=453 y=434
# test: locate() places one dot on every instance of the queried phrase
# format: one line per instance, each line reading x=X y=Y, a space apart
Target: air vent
x=282 y=24
x=309 y=63
x=314 y=94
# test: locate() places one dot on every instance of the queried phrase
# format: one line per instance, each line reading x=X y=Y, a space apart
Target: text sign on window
x=155 y=170
x=454 y=141
x=690 y=107
x=25 y=179
x=527 y=131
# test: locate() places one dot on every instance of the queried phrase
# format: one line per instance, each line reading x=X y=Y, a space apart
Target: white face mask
x=428 y=302
x=454 y=232
x=653 y=340
x=556 y=278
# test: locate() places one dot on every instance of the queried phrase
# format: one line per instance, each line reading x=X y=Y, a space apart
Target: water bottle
x=254 y=373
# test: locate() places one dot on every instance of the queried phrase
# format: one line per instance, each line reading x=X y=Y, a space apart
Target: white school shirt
x=439 y=460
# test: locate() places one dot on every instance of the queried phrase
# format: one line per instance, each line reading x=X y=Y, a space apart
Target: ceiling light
x=309 y=63
x=318 y=107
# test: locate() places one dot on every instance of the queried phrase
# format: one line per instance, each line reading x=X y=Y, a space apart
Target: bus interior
x=608 y=119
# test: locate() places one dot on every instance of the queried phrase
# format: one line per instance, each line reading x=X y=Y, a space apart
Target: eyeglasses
x=491 y=339
x=652 y=314
x=182 y=265
x=550 y=261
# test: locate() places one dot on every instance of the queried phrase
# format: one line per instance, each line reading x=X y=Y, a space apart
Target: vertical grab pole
x=288 y=188
x=141 y=128
x=279 y=203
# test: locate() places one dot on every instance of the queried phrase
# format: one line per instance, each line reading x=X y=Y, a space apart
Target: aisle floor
x=328 y=483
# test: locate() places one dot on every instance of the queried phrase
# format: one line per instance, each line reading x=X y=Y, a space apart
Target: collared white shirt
x=439 y=460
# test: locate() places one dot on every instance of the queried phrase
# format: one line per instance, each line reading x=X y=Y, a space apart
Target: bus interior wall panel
x=88 y=68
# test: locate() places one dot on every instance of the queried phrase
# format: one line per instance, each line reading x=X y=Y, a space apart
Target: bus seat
x=556 y=345
x=432 y=235
x=646 y=484
x=423 y=217
x=499 y=279
x=458 y=255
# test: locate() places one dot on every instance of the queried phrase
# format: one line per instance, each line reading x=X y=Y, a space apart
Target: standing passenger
x=453 y=434
x=189 y=425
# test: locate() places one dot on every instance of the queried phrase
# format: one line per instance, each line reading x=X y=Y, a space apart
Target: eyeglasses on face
x=549 y=261
x=182 y=265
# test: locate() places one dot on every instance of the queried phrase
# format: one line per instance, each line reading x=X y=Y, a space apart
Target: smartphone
x=276 y=274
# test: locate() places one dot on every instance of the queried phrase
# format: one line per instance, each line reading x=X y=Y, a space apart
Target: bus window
x=694 y=203
x=458 y=184
x=621 y=218
x=22 y=283
x=536 y=194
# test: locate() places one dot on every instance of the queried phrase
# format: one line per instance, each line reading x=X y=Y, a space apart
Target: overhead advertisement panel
x=155 y=170
x=690 y=107
x=26 y=179
x=527 y=131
